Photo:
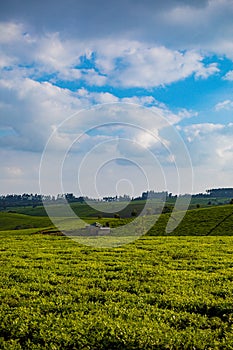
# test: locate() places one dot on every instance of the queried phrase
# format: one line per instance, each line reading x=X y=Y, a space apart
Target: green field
x=159 y=292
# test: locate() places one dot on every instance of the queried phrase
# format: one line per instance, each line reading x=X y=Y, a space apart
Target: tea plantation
x=160 y=292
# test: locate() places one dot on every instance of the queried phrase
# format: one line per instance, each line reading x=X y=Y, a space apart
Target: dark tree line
x=25 y=199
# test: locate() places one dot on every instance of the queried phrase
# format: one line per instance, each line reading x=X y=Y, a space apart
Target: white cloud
x=137 y=64
x=229 y=76
x=104 y=97
x=211 y=151
x=19 y=171
x=5 y=61
x=224 y=105
x=10 y=32
x=34 y=108
x=210 y=144
x=199 y=131
x=124 y=63
x=31 y=109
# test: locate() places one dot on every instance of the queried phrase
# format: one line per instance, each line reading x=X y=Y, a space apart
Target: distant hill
x=84 y=210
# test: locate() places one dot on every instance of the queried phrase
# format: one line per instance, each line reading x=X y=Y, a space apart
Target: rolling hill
x=14 y=221
x=212 y=221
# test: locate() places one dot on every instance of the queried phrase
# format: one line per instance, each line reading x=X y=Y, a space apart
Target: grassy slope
x=83 y=210
x=199 y=222
x=196 y=222
x=12 y=221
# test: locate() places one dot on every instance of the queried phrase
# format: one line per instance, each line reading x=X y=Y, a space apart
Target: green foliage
x=167 y=209
x=134 y=213
x=157 y=293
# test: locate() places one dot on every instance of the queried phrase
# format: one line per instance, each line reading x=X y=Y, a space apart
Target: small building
x=97 y=229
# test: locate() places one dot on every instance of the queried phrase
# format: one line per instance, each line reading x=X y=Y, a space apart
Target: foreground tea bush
x=158 y=293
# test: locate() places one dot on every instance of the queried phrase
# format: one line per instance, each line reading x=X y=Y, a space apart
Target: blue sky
x=172 y=58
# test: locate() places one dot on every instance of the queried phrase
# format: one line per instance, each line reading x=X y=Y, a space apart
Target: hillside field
x=84 y=210
x=159 y=292
x=215 y=220
x=14 y=221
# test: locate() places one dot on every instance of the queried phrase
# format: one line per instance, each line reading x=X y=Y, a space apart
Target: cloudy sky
x=162 y=69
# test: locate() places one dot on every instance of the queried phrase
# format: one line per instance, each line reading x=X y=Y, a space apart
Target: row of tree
x=25 y=199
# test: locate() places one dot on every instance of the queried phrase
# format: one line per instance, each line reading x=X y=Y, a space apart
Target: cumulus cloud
x=122 y=63
x=210 y=144
x=32 y=110
x=138 y=64
x=211 y=151
x=60 y=57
